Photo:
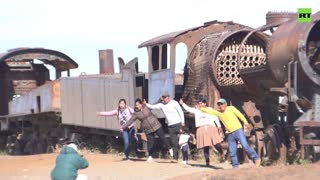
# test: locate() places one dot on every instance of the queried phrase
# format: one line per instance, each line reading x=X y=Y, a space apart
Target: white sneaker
x=150 y=159
x=184 y=162
x=171 y=152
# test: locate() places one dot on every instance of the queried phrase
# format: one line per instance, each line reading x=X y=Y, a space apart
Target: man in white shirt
x=174 y=118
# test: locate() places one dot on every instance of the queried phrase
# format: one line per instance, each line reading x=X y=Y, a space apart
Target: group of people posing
x=207 y=121
x=208 y=134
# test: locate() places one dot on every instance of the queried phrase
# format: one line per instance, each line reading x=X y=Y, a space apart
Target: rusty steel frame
x=304 y=141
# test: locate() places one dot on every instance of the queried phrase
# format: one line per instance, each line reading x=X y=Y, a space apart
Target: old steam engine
x=251 y=67
x=272 y=73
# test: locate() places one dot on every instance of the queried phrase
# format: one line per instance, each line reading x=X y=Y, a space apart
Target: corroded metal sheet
x=56 y=96
x=197 y=72
x=82 y=97
x=36 y=101
x=160 y=81
x=71 y=101
x=92 y=100
x=299 y=44
x=55 y=58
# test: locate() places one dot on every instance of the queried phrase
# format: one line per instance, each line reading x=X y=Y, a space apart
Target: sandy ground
x=106 y=166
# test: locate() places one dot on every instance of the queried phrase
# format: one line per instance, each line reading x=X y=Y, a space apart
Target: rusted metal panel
x=197 y=73
x=279 y=17
x=304 y=141
x=36 y=101
x=82 y=97
x=52 y=57
x=92 y=100
x=295 y=45
x=44 y=97
x=71 y=101
x=160 y=81
x=163 y=39
x=55 y=96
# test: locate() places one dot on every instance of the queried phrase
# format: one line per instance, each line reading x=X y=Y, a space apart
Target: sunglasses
x=219 y=104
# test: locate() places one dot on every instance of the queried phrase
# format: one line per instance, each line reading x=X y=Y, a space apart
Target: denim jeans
x=235 y=136
x=128 y=138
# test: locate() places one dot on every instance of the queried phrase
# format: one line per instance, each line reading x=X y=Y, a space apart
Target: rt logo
x=304 y=15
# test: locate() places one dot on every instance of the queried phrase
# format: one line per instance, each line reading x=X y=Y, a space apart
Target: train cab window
x=164 y=57
x=160 y=56
x=139 y=81
x=155 y=58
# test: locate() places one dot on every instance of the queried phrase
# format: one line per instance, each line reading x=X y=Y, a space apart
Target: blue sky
x=79 y=28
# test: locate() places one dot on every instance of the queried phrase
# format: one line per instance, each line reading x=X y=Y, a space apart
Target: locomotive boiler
x=252 y=68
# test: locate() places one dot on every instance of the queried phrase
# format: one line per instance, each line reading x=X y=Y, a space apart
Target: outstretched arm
x=210 y=111
x=108 y=113
x=154 y=106
x=188 y=108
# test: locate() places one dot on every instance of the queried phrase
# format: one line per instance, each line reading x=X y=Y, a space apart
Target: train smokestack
x=280 y=17
x=106 y=61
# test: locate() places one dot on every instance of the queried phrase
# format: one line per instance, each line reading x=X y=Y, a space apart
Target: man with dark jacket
x=67 y=164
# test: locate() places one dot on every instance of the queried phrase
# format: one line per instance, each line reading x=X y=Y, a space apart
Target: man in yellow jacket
x=230 y=116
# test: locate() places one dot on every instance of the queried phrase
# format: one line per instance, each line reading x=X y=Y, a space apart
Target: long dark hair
x=138 y=100
x=120 y=100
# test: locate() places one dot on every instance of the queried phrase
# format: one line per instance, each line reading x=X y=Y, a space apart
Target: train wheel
x=276 y=149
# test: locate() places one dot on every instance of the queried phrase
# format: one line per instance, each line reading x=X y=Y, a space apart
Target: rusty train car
x=250 y=67
x=36 y=112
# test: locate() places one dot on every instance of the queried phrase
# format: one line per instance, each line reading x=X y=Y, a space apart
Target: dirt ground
x=107 y=166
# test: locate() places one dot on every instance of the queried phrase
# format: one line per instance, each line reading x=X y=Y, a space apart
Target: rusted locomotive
x=250 y=67
x=36 y=112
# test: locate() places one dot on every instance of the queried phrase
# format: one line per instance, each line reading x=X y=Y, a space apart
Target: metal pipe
x=289 y=80
x=106 y=61
x=295 y=78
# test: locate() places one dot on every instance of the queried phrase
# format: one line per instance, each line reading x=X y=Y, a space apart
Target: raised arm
x=189 y=109
x=108 y=113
